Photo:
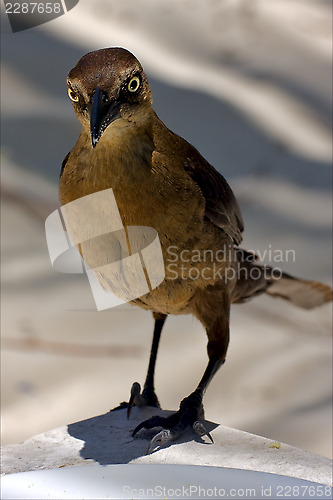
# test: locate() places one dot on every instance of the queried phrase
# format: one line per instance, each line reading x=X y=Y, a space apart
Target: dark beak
x=102 y=113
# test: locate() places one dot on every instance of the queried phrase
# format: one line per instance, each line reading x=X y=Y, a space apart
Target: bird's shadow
x=108 y=438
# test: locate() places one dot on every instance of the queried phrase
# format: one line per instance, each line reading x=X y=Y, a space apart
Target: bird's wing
x=221 y=205
x=63 y=165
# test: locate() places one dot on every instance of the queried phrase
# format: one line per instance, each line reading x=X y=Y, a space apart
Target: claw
x=200 y=429
x=135 y=392
x=159 y=439
x=150 y=424
x=190 y=410
x=147 y=397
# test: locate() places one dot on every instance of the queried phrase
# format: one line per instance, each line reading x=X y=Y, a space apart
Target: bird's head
x=107 y=87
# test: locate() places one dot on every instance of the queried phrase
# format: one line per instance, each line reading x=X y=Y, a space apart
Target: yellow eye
x=134 y=84
x=73 y=97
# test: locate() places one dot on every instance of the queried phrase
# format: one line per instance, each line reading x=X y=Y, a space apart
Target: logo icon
x=122 y=263
x=24 y=14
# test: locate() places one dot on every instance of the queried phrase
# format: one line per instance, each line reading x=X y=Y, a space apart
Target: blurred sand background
x=249 y=83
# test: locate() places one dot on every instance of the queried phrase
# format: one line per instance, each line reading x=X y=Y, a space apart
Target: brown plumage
x=161 y=181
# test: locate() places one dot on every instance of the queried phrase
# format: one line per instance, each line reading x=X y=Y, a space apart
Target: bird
x=161 y=181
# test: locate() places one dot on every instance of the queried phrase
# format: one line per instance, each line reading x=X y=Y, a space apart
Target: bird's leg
x=191 y=410
x=148 y=396
x=148 y=388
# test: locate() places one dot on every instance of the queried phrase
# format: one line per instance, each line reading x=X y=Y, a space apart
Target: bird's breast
x=146 y=195
x=148 y=191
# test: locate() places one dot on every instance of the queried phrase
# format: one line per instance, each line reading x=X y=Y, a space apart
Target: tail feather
x=255 y=279
x=301 y=293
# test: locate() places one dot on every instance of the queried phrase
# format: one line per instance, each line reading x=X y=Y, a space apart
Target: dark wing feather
x=63 y=165
x=221 y=205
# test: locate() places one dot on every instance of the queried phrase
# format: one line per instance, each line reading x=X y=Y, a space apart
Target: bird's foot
x=189 y=415
x=137 y=398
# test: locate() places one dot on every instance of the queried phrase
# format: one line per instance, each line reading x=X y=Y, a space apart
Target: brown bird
x=161 y=181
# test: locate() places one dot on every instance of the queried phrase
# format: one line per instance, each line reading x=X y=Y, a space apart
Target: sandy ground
x=250 y=86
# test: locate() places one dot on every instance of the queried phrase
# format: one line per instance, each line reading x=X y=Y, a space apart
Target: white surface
x=156 y=481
